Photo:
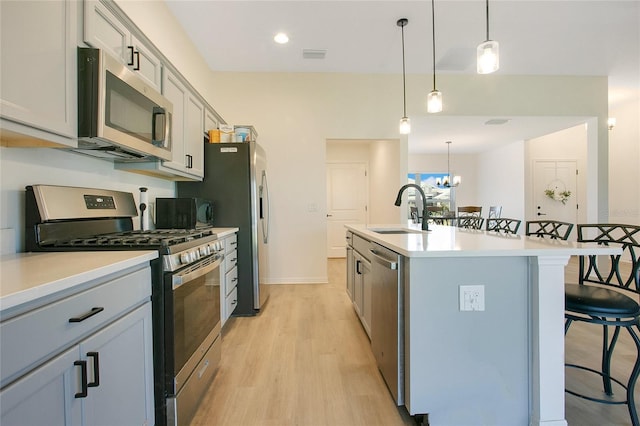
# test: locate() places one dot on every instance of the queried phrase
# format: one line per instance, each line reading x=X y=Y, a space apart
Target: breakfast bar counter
x=497 y=361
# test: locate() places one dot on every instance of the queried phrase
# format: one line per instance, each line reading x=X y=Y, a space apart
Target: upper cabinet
x=38 y=73
x=188 y=123
x=103 y=30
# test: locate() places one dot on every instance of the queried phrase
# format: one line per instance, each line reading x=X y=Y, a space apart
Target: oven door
x=192 y=319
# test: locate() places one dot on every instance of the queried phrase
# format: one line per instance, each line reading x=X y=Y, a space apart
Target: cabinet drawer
x=230 y=260
x=231 y=280
x=362 y=246
x=231 y=243
x=231 y=301
x=28 y=339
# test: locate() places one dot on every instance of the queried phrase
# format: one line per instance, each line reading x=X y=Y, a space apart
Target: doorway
x=347 y=201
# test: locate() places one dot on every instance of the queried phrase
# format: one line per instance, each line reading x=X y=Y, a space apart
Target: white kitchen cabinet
x=104 y=30
x=211 y=121
x=362 y=290
x=38 y=73
x=188 y=122
x=84 y=359
x=228 y=289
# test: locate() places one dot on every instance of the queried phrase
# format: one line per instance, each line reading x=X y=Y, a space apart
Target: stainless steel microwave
x=120 y=117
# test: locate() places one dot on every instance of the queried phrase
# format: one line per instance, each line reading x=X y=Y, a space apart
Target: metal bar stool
x=554 y=229
x=608 y=296
x=503 y=224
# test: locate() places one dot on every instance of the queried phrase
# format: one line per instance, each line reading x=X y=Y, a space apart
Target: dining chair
x=415 y=217
x=504 y=225
x=436 y=211
x=554 y=229
x=495 y=212
x=607 y=295
x=469 y=211
x=470 y=222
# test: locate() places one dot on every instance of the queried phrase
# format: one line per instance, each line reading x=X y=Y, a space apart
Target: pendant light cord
x=487 y=20
x=433 y=38
x=404 y=87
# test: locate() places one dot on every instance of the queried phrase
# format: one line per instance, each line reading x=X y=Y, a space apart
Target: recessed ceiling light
x=281 y=38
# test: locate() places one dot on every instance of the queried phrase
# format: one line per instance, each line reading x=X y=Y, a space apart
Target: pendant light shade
x=488 y=52
x=434 y=101
x=434 y=98
x=405 y=124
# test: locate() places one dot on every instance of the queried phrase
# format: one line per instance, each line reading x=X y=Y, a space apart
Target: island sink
x=395 y=231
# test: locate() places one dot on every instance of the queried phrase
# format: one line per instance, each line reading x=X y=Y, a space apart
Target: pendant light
x=449 y=182
x=434 y=98
x=405 y=124
x=488 y=53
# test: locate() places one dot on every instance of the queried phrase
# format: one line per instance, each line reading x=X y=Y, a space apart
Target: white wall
x=501 y=180
x=624 y=163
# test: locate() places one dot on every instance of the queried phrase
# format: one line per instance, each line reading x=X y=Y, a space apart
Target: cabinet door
x=210 y=121
x=176 y=93
x=366 y=296
x=46 y=396
x=350 y=271
x=103 y=30
x=120 y=372
x=194 y=140
x=38 y=64
x=148 y=65
x=358 y=282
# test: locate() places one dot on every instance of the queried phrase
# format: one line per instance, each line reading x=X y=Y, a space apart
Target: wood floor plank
x=306 y=361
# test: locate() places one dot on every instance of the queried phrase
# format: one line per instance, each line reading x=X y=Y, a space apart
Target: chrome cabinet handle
x=383 y=261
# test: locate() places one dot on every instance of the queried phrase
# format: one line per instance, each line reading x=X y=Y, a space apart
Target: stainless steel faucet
x=425 y=216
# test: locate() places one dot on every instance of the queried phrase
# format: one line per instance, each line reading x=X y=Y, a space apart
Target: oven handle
x=191 y=274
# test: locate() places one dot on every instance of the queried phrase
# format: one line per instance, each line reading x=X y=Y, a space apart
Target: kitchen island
x=494 y=356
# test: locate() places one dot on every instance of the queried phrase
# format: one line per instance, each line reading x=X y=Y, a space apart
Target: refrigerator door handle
x=264 y=193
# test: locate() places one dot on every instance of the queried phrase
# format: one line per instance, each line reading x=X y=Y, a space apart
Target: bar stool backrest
x=503 y=224
x=554 y=229
x=622 y=271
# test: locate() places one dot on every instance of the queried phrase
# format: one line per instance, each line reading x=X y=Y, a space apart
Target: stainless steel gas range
x=186 y=282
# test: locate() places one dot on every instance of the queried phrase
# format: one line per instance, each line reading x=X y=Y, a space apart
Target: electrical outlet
x=472 y=298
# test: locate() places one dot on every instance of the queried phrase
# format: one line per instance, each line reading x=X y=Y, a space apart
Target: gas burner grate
x=151 y=238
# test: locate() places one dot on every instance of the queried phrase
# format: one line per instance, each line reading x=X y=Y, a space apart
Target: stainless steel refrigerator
x=235 y=179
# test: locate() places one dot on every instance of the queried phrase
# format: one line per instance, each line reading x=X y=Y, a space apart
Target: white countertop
x=451 y=241
x=26 y=277
x=224 y=232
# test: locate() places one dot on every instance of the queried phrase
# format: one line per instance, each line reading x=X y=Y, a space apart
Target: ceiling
x=539 y=37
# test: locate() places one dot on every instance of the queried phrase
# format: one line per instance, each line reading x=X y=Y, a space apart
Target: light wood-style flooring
x=306 y=361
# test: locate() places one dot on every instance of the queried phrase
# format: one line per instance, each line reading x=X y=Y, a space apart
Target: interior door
x=555 y=190
x=347 y=189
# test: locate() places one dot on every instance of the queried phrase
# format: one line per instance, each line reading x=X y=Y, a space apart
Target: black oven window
x=196 y=313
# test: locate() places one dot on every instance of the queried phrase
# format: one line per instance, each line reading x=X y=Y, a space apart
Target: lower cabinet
x=228 y=289
x=83 y=359
x=103 y=380
x=362 y=290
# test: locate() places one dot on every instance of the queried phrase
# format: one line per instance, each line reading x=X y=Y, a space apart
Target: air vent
x=314 y=53
x=496 y=121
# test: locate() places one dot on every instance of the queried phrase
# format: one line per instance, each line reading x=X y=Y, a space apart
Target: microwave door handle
x=158 y=126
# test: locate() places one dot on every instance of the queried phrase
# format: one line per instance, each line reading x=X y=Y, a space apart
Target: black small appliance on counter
x=183 y=213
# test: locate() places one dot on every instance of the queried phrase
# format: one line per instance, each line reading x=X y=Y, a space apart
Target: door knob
x=541 y=214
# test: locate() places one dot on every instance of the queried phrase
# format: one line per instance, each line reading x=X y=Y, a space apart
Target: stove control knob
x=219 y=245
x=185 y=257
x=195 y=255
x=204 y=251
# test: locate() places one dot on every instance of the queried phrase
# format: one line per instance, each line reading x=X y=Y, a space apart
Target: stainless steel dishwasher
x=387 y=327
